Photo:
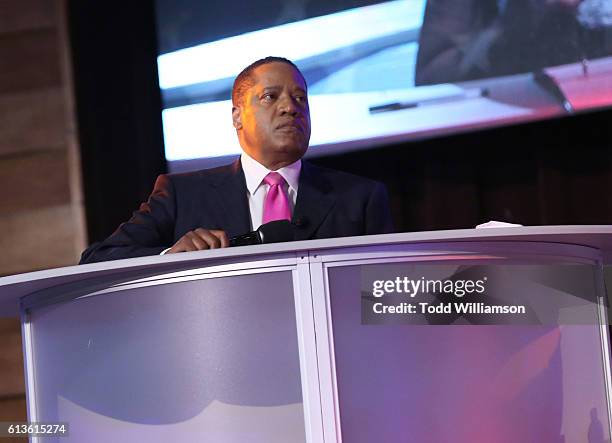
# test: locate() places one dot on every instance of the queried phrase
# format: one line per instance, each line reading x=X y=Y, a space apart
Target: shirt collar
x=255 y=172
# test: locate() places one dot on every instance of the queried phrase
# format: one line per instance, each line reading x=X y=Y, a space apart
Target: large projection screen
x=382 y=72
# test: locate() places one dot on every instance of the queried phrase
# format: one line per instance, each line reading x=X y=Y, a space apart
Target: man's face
x=273 y=119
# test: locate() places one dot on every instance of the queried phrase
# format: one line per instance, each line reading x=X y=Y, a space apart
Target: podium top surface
x=13 y=287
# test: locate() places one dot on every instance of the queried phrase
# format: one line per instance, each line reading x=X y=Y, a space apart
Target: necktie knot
x=274 y=178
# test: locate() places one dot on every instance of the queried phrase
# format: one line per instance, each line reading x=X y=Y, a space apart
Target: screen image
x=382 y=72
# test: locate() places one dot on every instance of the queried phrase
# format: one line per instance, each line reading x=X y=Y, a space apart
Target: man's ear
x=237 y=121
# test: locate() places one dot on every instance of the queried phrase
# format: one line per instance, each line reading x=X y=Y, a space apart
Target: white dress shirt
x=254 y=173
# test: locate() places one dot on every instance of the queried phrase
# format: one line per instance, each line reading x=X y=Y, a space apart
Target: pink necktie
x=276 y=205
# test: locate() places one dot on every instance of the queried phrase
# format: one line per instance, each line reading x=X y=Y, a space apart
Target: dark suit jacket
x=335 y=204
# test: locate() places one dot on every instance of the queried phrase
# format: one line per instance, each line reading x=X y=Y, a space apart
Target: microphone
x=550 y=85
x=301 y=222
x=272 y=232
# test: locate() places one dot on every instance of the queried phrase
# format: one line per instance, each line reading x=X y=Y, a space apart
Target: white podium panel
x=461 y=377
x=213 y=357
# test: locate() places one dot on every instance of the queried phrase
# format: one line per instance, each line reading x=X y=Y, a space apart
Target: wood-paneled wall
x=41 y=208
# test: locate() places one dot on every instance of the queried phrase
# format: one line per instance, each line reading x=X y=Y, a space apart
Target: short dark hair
x=245 y=80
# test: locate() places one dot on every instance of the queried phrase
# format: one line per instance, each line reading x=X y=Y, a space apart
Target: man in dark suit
x=203 y=209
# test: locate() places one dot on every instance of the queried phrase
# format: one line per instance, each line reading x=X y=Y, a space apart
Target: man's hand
x=200 y=239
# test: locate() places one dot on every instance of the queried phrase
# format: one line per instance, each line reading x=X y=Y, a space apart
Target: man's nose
x=288 y=106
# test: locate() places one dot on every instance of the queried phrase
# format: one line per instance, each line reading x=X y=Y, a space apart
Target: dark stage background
x=550 y=172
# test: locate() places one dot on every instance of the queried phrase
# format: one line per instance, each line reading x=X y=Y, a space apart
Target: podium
x=288 y=342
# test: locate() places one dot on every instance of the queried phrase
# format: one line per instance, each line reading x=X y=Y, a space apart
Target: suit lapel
x=314 y=201
x=231 y=193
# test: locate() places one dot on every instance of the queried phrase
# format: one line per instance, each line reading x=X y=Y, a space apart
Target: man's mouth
x=290 y=126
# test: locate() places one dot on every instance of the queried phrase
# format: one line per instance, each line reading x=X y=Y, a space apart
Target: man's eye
x=300 y=98
x=267 y=97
